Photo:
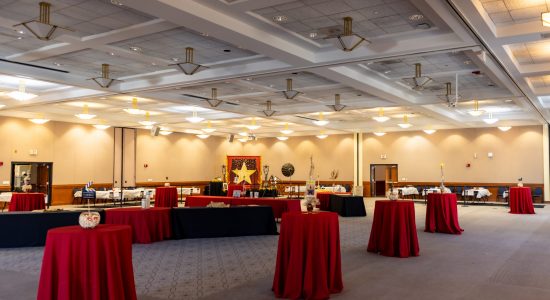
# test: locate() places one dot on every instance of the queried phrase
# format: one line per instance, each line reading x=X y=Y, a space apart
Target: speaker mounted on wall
x=155 y=130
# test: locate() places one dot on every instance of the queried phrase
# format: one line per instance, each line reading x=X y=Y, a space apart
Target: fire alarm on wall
x=468 y=165
x=145 y=165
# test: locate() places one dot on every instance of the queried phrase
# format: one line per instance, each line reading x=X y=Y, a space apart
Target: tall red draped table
x=233 y=187
x=27 y=201
x=521 y=201
x=148 y=225
x=91 y=264
x=278 y=205
x=393 y=230
x=308 y=257
x=441 y=214
x=166 y=196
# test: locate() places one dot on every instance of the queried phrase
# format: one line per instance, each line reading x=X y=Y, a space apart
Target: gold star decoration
x=244 y=174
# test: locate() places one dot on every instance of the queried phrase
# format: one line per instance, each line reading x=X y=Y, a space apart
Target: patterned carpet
x=195 y=268
x=499 y=256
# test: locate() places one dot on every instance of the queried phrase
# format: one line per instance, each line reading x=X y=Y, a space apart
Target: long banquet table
x=29 y=229
x=210 y=222
x=278 y=205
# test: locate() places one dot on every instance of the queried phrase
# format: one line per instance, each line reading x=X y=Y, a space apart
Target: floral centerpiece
x=311 y=199
x=442 y=185
x=520 y=182
x=88 y=219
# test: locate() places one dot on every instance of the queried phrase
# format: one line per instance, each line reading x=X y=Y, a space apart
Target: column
x=546 y=160
x=358 y=163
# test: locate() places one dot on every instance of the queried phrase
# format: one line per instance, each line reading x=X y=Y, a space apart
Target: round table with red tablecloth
x=27 y=201
x=393 y=230
x=92 y=264
x=441 y=214
x=521 y=201
x=148 y=224
x=308 y=256
x=166 y=196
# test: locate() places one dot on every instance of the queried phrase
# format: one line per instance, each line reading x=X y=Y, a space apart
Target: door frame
x=372 y=174
x=50 y=175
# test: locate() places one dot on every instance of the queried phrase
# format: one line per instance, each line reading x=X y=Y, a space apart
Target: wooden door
x=43 y=178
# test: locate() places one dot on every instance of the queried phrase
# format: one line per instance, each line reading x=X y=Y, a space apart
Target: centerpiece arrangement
x=88 y=219
x=442 y=187
x=311 y=199
x=520 y=182
x=392 y=195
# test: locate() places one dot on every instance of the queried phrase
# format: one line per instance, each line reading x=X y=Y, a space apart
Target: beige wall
x=79 y=152
x=517 y=153
x=183 y=157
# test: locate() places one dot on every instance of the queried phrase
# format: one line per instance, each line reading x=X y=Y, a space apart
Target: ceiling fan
x=213 y=101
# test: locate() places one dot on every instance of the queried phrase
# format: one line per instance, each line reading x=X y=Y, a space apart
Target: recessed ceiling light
x=57 y=64
x=20 y=32
x=508 y=100
x=313 y=35
x=135 y=49
x=175 y=59
x=204 y=34
x=116 y=2
x=416 y=17
x=248 y=78
x=387 y=72
x=111 y=53
x=19 y=37
x=280 y=18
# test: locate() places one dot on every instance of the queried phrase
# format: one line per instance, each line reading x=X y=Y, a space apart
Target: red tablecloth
x=234 y=187
x=148 y=225
x=278 y=205
x=88 y=264
x=393 y=230
x=166 y=196
x=27 y=201
x=520 y=201
x=308 y=257
x=441 y=215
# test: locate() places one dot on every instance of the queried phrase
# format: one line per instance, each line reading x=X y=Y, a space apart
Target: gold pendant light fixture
x=418 y=81
x=321 y=121
x=451 y=99
x=337 y=106
x=381 y=118
x=405 y=123
x=104 y=81
x=21 y=94
x=209 y=128
x=147 y=121
x=286 y=130
x=85 y=115
x=476 y=112
x=189 y=67
x=347 y=41
x=41 y=28
x=290 y=93
x=134 y=110
x=268 y=112
x=214 y=101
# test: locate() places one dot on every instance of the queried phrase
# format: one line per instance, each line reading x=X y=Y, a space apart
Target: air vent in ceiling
x=32 y=66
x=390 y=62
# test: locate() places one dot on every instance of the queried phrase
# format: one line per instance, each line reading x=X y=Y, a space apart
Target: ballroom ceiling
x=493 y=53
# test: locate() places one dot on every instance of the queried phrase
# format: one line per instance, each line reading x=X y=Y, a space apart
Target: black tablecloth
x=29 y=229
x=262 y=193
x=208 y=222
x=214 y=188
x=347 y=206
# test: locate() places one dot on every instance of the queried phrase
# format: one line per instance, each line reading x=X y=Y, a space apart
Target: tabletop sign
x=88 y=194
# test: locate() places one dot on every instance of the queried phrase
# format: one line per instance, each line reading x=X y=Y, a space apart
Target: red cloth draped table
x=148 y=225
x=166 y=196
x=441 y=214
x=393 y=230
x=88 y=264
x=27 y=201
x=234 y=187
x=278 y=205
x=308 y=257
x=520 y=201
